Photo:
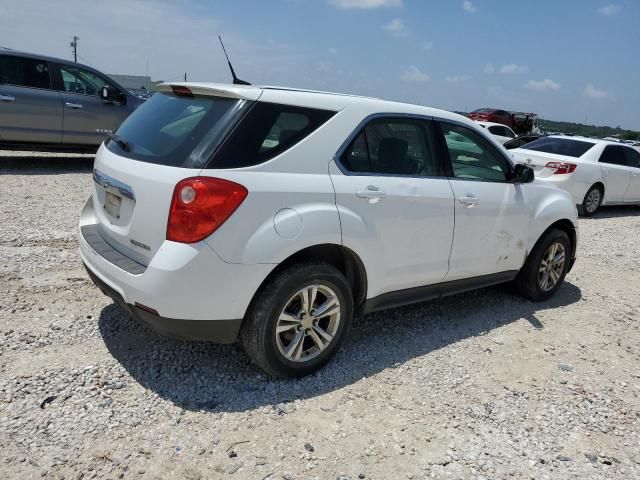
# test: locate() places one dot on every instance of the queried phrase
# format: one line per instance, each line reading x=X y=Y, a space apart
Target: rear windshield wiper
x=122 y=143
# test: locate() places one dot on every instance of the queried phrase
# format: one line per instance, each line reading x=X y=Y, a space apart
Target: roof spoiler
x=239 y=92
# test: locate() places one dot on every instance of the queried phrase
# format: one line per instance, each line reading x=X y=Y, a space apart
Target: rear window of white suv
x=560 y=146
x=178 y=131
x=212 y=132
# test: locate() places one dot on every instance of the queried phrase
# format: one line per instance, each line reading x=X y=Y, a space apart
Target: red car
x=493 y=115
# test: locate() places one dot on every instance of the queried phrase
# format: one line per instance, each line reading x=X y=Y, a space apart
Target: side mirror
x=110 y=94
x=523 y=174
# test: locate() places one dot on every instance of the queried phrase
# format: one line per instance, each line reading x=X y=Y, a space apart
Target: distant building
x=138 y=84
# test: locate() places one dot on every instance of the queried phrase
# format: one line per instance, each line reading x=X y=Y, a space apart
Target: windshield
x=560 y=146
x=175 y=130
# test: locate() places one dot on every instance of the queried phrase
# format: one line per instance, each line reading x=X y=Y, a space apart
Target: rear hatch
x=169 y=138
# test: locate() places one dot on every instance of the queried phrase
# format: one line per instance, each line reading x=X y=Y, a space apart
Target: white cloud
x=365 y=4
x=427 y=45
x=468 y=7
x=333 y=51
x=542 y=85
x=489 y=68
x=512 y=68
x=591 y=91
x=457 y=78
x=609 y=10
x=413 y=74
x=396 y=28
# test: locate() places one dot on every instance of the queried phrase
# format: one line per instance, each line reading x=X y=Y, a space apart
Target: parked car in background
x=595 y=172
x=52 y=104
x=274 y=214
x=502 y=133
x=521 y=140
x=493 y=115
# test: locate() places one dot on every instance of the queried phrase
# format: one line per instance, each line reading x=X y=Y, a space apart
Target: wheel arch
x=569 y=228
x=342 y=258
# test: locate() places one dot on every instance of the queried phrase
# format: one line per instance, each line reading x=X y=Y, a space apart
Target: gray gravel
x=480 y=385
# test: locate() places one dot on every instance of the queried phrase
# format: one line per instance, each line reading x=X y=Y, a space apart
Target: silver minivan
x=52 y=104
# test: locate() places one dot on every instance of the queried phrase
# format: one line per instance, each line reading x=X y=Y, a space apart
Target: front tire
x=298 y=320
x=546 y=266
x=591 y=202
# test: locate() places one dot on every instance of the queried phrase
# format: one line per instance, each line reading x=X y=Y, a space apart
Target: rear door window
x=267 y=130
x=501 y=131
x=175 y=130
x=613 y=155
x=633 y=157
x=393 y=146
x=24 y=72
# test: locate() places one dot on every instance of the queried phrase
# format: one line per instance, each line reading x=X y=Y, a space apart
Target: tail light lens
x=200 y=205
x=561 y=167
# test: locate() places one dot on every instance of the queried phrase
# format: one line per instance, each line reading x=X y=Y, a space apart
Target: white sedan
x=595 y=172
x=502 y=133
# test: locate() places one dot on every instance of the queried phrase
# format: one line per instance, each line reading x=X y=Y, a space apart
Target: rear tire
x=298 y=320
x=546 y=266
x=591 y=201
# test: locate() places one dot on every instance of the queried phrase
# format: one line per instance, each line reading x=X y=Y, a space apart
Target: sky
x=571 y=60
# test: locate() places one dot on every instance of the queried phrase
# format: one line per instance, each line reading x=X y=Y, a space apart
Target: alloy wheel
x=551 y=266
x=593 y=200
x=308 y=323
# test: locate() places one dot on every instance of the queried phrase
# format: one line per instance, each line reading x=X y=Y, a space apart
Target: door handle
x=7 y=98
x=75 y=106
x=469 y=200
x=372 y=193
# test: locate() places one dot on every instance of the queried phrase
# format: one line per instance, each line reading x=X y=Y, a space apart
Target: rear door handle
x=75 y=106
x=372 y=193
x=469 y=200
x=7 y=98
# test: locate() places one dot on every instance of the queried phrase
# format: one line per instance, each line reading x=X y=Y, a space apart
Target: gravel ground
x=479 y=385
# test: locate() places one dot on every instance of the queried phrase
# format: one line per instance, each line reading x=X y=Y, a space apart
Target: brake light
x=561 y=167
x=200 y=205
x=181 y=91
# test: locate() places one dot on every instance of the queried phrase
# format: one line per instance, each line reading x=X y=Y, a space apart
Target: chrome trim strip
x=110 y=183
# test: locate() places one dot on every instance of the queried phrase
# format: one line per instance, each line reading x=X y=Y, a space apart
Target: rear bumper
x=195 y=294
x=219 y=331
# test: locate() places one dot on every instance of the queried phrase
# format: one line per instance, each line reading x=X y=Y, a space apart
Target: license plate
x=112 y=205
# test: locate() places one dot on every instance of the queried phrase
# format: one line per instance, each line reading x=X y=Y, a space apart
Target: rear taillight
x=200 y=205
x=561 y=167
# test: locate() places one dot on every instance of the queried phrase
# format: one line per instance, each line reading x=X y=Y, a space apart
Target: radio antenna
x=236 y=80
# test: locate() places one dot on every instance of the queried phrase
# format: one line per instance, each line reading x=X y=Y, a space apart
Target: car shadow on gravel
x=205 y=376
x=616 y=212
x=45 y=165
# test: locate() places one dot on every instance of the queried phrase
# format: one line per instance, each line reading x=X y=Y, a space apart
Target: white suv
x=276 y=214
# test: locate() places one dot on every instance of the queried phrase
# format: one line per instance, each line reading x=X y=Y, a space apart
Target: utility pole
x=185 y=77
x=74 y=45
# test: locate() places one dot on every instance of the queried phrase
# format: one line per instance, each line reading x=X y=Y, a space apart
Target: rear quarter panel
x=291 y=201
